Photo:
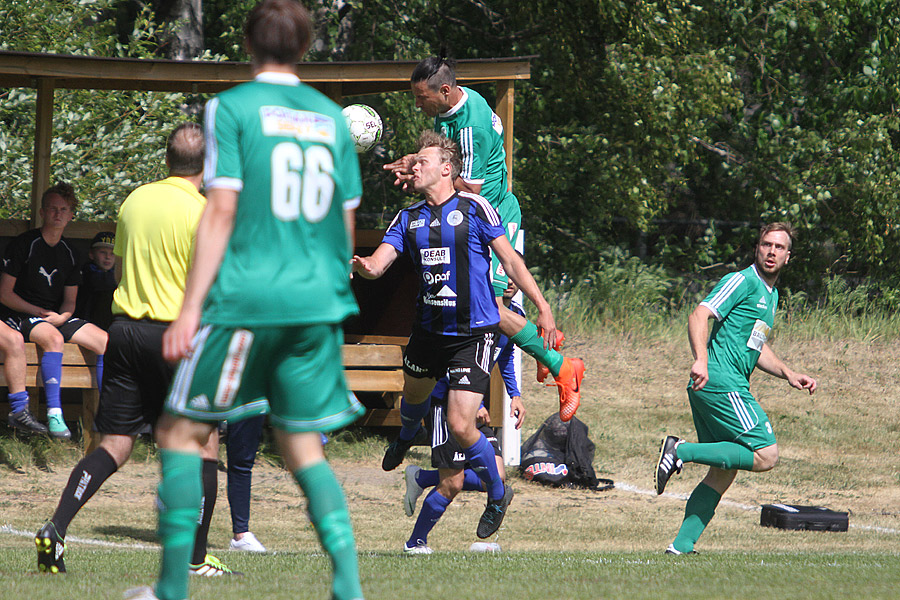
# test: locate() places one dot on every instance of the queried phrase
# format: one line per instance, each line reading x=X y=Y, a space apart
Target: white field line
x=9 y=529
x=748 y=507
x=627 y=487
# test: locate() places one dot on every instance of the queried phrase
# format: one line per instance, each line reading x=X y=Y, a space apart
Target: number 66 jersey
x=285 y=148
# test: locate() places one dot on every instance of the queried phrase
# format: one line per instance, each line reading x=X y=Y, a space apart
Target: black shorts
x=24 y=323
x=135 y=377
x=466 y=359
x=446 y=453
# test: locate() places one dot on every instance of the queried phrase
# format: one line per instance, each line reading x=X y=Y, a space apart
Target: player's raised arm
x=374 y=266
x=517 y=271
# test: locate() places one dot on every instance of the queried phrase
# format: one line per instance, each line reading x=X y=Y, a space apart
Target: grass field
x=838 y=449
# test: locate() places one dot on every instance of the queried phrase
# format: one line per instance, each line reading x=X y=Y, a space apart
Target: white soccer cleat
x=420 y=548
x=247 y=543
x=142 y=593
x=413 y=490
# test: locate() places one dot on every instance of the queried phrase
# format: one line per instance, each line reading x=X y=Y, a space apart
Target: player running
x=733 y=431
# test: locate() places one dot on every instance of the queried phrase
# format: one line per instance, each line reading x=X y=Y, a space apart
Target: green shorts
x=511 y=215
x=296 y=373
x=730 y=417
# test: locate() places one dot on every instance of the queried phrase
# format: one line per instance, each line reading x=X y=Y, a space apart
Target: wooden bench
x=374 y=365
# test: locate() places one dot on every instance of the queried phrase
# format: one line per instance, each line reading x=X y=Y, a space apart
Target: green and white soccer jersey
x=478 y=132
x=286 y=149
x=744 y=307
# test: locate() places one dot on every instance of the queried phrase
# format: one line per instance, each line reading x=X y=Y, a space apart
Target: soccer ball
x=365 y=126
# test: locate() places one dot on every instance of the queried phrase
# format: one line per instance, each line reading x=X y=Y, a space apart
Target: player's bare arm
x=771 y=364
x=463 y=186
x=10 y=299
x=67 y=308
x=350 y=225
x=374 y=266
x=698 y=334
x=213 y=233
x=517 y=271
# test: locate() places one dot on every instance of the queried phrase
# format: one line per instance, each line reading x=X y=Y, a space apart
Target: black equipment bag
x=561 y=454
x=811 y=518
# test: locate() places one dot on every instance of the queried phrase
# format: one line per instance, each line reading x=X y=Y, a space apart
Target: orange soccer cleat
x=543 y=371
x=569 y=383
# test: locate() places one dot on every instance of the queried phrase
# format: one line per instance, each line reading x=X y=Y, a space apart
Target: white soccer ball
x=365 y=126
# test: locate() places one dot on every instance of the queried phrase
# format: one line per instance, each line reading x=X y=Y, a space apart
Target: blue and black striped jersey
x=448 y=245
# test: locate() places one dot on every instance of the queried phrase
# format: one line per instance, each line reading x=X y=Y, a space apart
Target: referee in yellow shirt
x=154 y=239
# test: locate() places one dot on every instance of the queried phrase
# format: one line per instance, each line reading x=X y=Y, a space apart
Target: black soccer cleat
x=51 y=549
x=396 y=450
x=493 y=514
x=668 y=463
x=24 y=421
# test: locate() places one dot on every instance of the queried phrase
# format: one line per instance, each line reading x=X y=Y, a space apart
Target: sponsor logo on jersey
x=49 y=275
x=432 y=278
x=464 y=380
x=501 y=272
x=444 y=130
x=545 y=467
x=417 y=223
x=496 y=123
x=303 y=125
x=435 y=256
x=454 y=218
x=761 y=303
x=461 y=370
x=432 y=300
x=446 y=292
x=435 y=223
x=459 y=457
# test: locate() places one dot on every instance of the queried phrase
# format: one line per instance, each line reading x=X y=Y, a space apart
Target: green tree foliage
x=670 y=129
x=104 y=143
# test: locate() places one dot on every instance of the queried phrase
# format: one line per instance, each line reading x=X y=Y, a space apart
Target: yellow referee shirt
x=154 y=238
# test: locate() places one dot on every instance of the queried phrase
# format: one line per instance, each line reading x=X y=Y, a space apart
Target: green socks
x=724 y=455
x=529 y=341
x=179 y=495
x=698 y=512
x=331 y=520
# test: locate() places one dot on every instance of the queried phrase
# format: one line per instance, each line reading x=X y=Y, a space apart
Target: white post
x=510 y=437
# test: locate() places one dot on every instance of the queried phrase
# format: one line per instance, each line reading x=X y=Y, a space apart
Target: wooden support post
x=43 y=134
x=505 y=108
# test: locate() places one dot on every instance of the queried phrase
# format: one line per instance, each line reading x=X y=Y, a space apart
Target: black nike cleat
x=396 y=450
x=493 y=514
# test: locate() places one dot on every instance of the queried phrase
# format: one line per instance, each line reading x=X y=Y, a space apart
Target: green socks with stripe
x=528 y=340
x=723 y=455
x=331 y=520
x=698 y=512
x=179 y=495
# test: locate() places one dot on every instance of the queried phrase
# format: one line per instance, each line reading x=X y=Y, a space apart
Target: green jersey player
x=260 y=327
x=464 y=116
x=733 y=431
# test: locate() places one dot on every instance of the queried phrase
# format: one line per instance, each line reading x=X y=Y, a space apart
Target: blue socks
x=51 y=372
x=411 y=416
x=472 y=482
x=18 y=401
x=99 y=366
x=432 y=509
x=427 y=478
x=481 y=456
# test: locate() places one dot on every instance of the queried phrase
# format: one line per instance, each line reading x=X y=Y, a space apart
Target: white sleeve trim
x=712 y=310
x=352 y=203
x=228 y=183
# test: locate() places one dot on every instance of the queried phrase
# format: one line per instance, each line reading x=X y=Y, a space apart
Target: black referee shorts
x=135 y=377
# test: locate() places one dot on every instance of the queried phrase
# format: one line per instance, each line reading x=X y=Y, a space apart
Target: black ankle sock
x=210 y=491
x=86 y=478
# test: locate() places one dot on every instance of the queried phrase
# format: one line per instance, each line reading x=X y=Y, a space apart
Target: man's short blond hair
x=448 y=149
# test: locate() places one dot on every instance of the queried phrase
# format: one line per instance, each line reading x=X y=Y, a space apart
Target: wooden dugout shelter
x=49 y=72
